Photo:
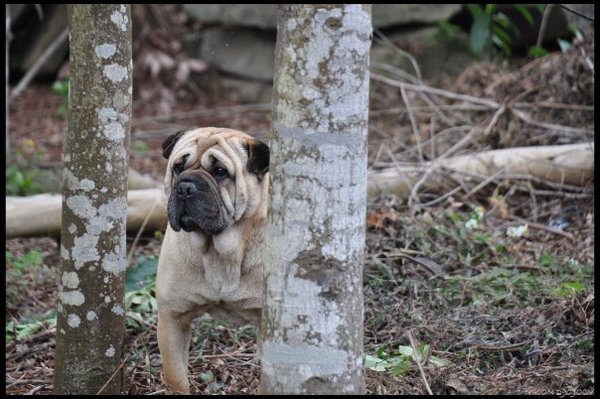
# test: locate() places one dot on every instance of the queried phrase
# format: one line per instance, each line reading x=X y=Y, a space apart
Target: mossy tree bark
x=312 y=327
x=91 y=319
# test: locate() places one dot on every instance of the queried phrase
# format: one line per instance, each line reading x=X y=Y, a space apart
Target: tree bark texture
x=8 y=34
x=91 y=320
x=312 y=323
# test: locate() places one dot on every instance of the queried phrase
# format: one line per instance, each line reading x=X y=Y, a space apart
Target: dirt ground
x=460 y=298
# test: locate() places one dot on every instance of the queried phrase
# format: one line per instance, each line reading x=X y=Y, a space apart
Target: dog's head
x=215 y=178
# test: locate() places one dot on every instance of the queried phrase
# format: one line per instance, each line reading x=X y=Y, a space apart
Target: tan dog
x=211 y=257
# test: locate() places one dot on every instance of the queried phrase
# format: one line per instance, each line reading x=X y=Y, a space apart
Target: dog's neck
x=232 y=241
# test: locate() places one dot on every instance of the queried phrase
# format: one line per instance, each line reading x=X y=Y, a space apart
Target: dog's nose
x=186 y=189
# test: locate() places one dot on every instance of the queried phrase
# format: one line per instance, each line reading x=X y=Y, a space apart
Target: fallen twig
x=547 y=104
x=493 y=348
x=112 y=376
x=457 y=146
x=550 y=126
x=432 y=90
x=413 y=123
x=416 y=357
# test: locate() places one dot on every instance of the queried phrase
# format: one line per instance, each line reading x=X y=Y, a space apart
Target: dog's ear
x=169 y=143
x=258 y=157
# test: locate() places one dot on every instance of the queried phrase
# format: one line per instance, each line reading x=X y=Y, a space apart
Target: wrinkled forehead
x=204 y=138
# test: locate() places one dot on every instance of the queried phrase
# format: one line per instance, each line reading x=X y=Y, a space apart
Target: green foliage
x=61 y=87
x=511 y=286
x=27 y=327
x=16 y=265
x=404 y=361
x=140 y=291
x=568 y=289
x=140 y=146
x=537 y=52
x=142 y=275
x=23 y=177
x=16 y=268
x=491 y=27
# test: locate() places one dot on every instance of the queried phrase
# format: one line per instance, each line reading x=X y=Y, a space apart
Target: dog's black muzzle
x=195 y=204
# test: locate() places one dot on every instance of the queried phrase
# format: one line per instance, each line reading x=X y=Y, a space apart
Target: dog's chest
x=228 y=279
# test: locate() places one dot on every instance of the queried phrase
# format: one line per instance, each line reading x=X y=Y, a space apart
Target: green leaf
x=522 y=9
x=438 y=361
x=568 y=289
x=141 y=146
x=375 y=364
x=382 y=354
x=482 y=238
x=574 y=286
x=546 y=259
x=61 y=88
x=475 y=10
x=26 y=330
x=506 y=23
x=537 y=52
x=502 y=20
x=502 y=45
x=402 y=365
x=139 y=277
x=502 y=35
x=409 y=351
x=207 y=377
x=490 y=8
x=480 y=34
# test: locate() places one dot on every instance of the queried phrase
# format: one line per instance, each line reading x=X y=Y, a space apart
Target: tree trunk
x=8 y=34
x=91 y=320
x=312 y=326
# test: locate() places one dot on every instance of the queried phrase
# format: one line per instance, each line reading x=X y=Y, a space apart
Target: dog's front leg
x=174 y=335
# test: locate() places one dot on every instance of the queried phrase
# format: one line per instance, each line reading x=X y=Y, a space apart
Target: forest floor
x=489 y=288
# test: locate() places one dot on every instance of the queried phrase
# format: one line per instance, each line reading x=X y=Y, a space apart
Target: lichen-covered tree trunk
x=6 y=132
x=91 y=320
x=312 y=327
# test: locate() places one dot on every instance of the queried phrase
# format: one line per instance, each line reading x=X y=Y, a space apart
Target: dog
x=211 y=258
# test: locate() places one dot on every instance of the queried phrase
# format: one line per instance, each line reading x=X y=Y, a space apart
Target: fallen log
x=138 y=181
x=571 y=164
x=40 y=215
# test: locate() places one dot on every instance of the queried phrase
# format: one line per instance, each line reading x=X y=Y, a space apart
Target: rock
x=388 y=15
x=251 y=91
x=31 y=43
x=241 y=43
x=239 y=51
x=264 y=16
x=434 y=57
x=582 y=24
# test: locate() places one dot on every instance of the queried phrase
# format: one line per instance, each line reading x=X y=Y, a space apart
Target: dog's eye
x=220 y=172
x=180 y=166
